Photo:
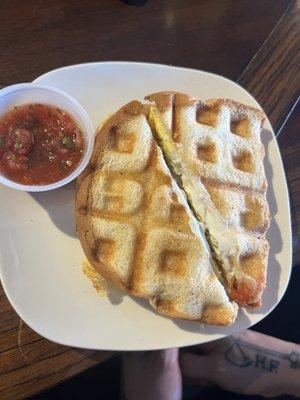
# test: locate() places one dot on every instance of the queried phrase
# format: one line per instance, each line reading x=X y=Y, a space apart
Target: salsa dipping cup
x=32 y=93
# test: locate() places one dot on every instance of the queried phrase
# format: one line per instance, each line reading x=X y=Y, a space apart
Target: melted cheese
x=221 y=239
x=99 y=283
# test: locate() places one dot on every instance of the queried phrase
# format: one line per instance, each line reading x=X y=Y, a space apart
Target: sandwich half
x=137 y=229
x=214 y=152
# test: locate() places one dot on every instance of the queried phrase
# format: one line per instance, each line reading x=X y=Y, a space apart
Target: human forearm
x=247 y=362
x=278 y=360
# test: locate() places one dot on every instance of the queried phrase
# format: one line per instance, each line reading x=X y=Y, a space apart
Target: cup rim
x=89 y=133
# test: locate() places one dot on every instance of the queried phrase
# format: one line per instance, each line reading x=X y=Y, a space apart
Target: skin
x=248 y=363
x=152 y=375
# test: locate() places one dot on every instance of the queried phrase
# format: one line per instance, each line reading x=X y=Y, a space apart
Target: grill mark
x=111 y=216
x=233 y=186
x=132 y=176
x=95 y=250
x=224 y=282
x=174 y=127
x=137 y=265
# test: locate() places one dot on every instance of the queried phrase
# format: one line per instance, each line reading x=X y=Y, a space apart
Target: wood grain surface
x=273 y=75
x=289 y=144
x=220 y=36
x=30 y=363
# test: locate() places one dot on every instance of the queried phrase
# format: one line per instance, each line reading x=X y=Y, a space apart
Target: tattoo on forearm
x=243 y=354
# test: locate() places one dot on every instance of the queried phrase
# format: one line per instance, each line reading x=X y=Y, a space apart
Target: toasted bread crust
x=240 y=194
x=248 y=284
x=222 y=315
x=179 y=244
x=84 y=189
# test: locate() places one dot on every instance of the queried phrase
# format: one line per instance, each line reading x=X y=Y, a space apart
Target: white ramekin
x=24 y=93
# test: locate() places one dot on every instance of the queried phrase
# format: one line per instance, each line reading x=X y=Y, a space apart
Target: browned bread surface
x=137 y=230
x=218 y=143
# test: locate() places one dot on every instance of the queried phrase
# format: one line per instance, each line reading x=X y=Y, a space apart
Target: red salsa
x=39 y=144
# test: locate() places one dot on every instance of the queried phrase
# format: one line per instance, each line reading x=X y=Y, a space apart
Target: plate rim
x=282 y=170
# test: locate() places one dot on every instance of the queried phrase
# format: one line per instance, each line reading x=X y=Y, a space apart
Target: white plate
x=41 y=258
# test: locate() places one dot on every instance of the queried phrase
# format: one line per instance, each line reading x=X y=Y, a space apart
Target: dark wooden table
x=253 y=42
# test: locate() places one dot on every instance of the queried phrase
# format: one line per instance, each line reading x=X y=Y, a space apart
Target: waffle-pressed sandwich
x=137 y=229
x=215 y=153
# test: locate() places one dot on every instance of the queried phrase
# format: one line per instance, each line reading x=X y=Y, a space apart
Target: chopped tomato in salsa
x=39 y=144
